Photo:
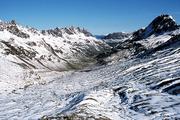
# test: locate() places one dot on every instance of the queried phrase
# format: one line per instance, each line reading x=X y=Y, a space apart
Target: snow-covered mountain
x=54 y=49
x=158 y=32
x=138 y=78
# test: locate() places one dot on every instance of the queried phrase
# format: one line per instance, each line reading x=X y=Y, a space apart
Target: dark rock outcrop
x=14 y=30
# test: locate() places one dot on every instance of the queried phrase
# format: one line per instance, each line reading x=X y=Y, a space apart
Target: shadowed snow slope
x=140 y=78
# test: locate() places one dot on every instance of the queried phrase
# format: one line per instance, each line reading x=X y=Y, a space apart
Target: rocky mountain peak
x=13 y=22
x=13 y=28
x=161 y=24
x=58 y=32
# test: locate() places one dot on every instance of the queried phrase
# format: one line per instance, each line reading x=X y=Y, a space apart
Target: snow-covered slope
x=142 y=83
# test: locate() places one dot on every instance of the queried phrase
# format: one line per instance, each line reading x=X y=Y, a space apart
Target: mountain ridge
x=77 y=41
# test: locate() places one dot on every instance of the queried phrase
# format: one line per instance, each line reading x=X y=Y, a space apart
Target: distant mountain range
x=54 y=49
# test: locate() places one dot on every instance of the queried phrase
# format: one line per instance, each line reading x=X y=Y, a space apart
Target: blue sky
x=97 y=16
